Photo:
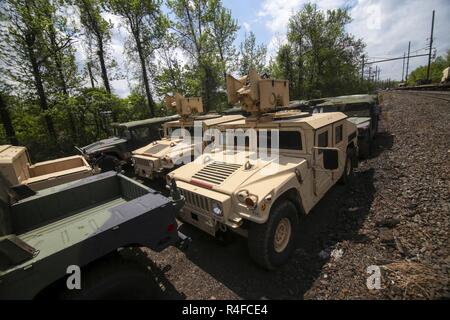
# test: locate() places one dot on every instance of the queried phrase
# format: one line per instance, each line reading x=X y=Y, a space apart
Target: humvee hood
x=102 y=145
x=164 y=147
x=231 y=175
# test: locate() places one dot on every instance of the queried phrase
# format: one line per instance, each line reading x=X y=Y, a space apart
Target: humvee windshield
x=287 y=140
x=361 y=110
x=121 y=133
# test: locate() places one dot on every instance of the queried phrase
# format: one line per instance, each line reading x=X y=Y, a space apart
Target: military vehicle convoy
x=160 y=156
x=91 y=224
x=264 y=198
x=16 y=167
x=112 y=153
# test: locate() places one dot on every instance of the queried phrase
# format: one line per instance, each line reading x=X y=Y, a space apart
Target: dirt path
x=396 y=216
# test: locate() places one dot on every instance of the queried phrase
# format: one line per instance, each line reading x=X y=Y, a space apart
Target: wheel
x=347 y=175
x=114 y=279
x=365 y=147
x=271 y=244
x=109 y=163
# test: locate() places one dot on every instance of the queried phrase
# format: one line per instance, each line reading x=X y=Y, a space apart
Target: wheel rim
x=282 y=235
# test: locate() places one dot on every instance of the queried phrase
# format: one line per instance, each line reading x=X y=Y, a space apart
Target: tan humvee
x=154 y=159
x=262 y=198
x=16 y=167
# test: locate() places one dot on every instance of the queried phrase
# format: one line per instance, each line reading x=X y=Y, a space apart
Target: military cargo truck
x=239 y=189
x=114 y=152
x=16 y=166
x=160 y=156
x=88 y=224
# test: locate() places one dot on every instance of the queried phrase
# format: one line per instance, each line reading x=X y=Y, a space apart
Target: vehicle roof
x=314 y=121
x=208 y=121
x=350 y=99
x=146 y=122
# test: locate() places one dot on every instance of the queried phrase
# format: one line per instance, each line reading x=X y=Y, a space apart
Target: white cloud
x=246 y=26
x=385 y=26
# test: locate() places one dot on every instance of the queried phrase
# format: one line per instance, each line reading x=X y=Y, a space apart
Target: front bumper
x=197 y=210
x=146 y=167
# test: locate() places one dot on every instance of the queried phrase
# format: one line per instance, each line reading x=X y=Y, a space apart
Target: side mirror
x=330 y=159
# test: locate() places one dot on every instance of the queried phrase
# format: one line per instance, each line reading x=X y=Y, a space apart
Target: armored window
x=338 y=134
x=323 y=140
x=289 y=140
x=141 y=133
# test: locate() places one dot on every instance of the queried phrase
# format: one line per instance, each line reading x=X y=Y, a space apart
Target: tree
x=199 y=36
x=252 y=56
x=436 y=69
x=98 y=31
x=224 y=29
x=23 y=38
x=325 y=59
x=146 y=24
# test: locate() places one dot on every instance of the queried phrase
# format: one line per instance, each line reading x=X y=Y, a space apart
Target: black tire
x=347 y=175
x=114 y=279
x=261 y=237
x=109 y=163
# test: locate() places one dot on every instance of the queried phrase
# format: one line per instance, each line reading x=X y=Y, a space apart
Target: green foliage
x=436 y=69
x=205 y=31
x=251 y=55
x=320 y=58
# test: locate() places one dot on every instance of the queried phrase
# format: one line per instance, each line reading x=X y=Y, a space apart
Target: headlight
x=217 y=209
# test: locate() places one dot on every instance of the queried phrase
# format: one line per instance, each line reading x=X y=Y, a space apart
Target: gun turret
x=256 y=94
x=185 y=107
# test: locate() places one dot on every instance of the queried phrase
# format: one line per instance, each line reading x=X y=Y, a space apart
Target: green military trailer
x=89 y=225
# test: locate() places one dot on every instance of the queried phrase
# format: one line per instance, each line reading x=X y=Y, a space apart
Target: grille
x=195 y=200
x=143 y=162
x=216 y=172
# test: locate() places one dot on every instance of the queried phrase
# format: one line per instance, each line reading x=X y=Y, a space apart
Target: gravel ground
x=395 y=216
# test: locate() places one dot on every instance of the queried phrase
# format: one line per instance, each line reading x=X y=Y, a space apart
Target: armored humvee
x=176 y=147
x=91 y=225
x=16 y=166
x=362 y=109
x=243 y=189
x=112 y=153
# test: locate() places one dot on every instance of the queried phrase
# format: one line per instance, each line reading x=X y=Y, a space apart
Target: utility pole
x=375 y=75
x=403 y=68
x=362 y=68
x=407 y=62
x=431 y=46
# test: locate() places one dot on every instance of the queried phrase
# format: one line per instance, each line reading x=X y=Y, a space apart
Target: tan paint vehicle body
x=300 y=175
x=162 y=155
x=239 y=188
x=16 y=166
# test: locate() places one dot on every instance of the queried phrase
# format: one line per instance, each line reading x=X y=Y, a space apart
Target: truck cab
x=266 y=171
x=114 y=152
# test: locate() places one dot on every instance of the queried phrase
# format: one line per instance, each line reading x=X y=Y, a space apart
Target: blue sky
x=385 y=25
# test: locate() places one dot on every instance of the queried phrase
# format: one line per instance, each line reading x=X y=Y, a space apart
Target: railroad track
x=441 y=95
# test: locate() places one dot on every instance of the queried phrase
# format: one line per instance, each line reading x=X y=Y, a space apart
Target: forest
x=51 y=101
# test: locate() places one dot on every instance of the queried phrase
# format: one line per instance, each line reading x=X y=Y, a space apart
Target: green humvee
x=88 y=224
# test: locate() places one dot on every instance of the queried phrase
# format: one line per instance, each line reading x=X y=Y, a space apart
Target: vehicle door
x=322 y=177
x=340 y=143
